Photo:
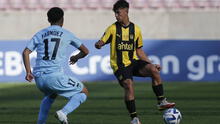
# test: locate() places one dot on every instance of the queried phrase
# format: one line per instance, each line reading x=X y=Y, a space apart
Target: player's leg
x=129 y=99
x=45 y=106
x=48 y=99
x=125 y=79
x=72 y=89
x=144 y=69
x=73 y=103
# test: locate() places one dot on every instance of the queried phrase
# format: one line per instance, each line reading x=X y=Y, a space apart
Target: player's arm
x=106 y=38
x=140 y=52
x=83 y=52
x=29 y=76
x=99 y=44
x=139 y=44
x=143 y=56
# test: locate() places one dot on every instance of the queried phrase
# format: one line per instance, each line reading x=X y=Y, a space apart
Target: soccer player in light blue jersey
x=51 y=45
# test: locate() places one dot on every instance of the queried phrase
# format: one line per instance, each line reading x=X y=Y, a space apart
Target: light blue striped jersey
x=51 y=45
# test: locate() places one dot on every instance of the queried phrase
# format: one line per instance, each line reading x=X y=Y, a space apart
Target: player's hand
x=98 y=45
x=158 y=67
x=73 y=60
x=29 y=77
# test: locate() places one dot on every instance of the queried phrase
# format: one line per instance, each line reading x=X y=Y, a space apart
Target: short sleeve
x=139 y=40
x=108 y=34
x=76 y=42
x=32 y=44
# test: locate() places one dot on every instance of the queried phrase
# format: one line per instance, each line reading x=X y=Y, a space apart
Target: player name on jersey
x=54 y=33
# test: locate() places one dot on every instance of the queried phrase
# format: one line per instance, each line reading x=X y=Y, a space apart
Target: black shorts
x=131 y=70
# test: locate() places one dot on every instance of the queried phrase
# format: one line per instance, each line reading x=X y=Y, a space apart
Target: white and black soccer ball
x=172 y=116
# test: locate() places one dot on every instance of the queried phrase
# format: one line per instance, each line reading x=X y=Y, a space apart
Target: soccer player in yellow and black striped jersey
x=128 y=58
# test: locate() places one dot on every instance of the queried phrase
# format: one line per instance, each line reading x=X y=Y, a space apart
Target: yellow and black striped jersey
x=123 y=44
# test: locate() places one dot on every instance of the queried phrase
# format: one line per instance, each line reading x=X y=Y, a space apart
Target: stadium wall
x=90 y=24
x=200 y=62
x=181 y=60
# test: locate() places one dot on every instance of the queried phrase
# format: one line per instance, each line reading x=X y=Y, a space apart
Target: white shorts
x=57 y=83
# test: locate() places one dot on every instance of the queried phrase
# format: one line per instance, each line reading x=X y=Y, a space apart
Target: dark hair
x=55 y=14
x=120 y=4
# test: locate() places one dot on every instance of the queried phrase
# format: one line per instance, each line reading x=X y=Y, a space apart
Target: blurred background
x=158 y=19
x=181 y=35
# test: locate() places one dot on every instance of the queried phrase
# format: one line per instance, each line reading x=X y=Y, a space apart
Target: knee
x=50 y=98
x=81 y=97
x=154 y=71
x=127 y=85
x=148 y=70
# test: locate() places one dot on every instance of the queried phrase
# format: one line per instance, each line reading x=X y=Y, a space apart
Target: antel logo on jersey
x=125 y=46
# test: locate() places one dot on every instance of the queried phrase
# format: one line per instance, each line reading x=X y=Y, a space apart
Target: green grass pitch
x=199 y=103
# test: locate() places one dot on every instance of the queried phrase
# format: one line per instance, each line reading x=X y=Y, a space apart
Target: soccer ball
x=172 y=116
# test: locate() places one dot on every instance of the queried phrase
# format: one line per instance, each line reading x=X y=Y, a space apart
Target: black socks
x=131 y=108
x=158 y=90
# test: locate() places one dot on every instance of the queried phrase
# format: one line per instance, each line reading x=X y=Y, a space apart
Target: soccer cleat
x=61 y=117
x=135 y=120
x=164 y=104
